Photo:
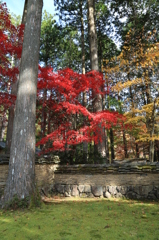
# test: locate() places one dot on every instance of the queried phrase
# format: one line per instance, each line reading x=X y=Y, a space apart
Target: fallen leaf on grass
x=107 y=226
x=100 y=214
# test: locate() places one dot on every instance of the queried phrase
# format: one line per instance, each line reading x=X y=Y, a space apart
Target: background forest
x=98 y=86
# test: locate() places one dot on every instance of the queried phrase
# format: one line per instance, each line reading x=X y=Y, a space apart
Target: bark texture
x=14 y=88
x=125 y=145
x=97 y=102
x=112 y=144
x=152 y=130
x=3 y=124
x=11 y=115
x=85 y=144
x=92 y=36
x=21 y=175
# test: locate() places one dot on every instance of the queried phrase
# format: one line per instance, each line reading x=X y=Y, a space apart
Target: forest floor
x=74 y=219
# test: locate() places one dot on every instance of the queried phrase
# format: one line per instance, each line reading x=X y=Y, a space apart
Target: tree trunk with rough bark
x=21 y=176
x=97 y=102
x=14 y=92
x=152 y=126
x=44 y=114
x=85 y=144
x=112 y=145
x=3 y=124
x=137 y=150
x=157 y=150
x=125 y=145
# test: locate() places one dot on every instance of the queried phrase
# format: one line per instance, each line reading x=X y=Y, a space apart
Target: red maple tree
x=64 y=89
x=61 y=103
x=9 y=48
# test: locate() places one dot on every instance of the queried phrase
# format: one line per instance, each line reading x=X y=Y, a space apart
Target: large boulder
x=87 y=189
x=143 y=190
x=122 y=189
x=59 y=188
x=113 y=190
x=131 y=195
x=74 y=190
x=81 y=188
x=107 y=194
x=97 y=191
x=67 y=191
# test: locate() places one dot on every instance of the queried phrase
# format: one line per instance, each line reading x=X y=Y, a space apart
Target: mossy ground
x=82 y=220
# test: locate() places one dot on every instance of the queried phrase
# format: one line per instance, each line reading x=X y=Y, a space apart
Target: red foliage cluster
x=9 y=46
x=64 y=91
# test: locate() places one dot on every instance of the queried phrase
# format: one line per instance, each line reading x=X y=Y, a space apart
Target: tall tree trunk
x=157 y=150
x=137 y=150
x=14 y=92
x=151 y=146
x=44 y=114
x=21 y=176
x=92 y=37
x=85 y=144
x=3 y=124
x=97 y=102
x=49 y=116
x=82 y=38
x=133 y=115
x=144 y=152
x=150 y=121
x=107 y=131
x=151 y=151
x=24 y=12
x=49 y=123
x=125 y=145
x=112 y=145
x=11 y=114
x=107 y=146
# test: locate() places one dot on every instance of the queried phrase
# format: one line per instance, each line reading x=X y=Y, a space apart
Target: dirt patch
x=70 y=199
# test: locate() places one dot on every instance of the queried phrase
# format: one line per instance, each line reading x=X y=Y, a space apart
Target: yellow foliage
x=120 y=86
x=127 y=63
x=148 y=138
x=135 y=119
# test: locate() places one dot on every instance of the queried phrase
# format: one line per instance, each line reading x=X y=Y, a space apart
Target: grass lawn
x=82 y=220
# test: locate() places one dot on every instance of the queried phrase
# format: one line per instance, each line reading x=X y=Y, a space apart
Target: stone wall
x=44 y=174
x=133 y=180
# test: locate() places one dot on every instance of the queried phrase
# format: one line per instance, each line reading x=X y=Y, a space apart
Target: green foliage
x=59 y=45
x=49 y=39
x=15 y=19
x=140 y=15
x=70 y=51
x=112 y=102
